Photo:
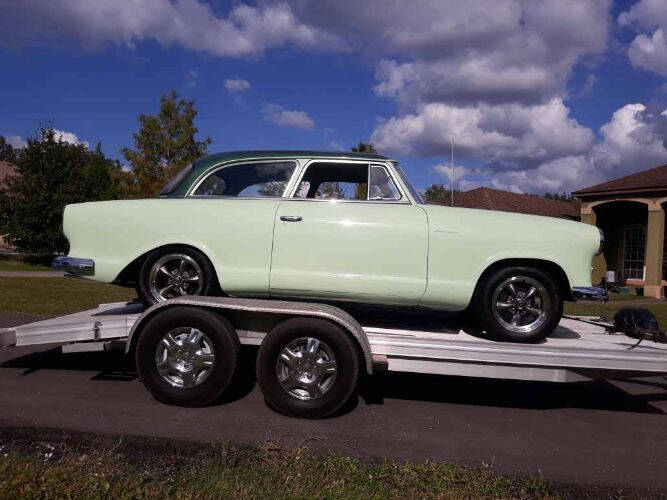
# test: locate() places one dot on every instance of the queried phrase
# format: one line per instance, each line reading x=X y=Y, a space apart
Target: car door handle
x=291 y=218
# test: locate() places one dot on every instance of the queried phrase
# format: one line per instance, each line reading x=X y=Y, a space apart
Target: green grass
x=55 y=296
x=656 y=306
x=18 y=265
x=96 y=468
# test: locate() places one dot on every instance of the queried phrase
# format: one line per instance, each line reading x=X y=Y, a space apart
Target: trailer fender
x=264 y=306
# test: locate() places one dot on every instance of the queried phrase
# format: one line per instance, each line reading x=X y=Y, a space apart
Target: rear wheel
x=174 y=272
x=307 y=367
x=187 y=356
x=518 y=304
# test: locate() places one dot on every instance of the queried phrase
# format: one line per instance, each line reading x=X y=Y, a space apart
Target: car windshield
x=406 y=181
x=176 y=180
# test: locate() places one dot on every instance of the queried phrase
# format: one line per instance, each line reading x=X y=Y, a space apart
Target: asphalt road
x=603 y=434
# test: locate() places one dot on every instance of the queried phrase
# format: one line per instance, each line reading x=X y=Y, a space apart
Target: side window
x=255 y=180
x=382 y=187
x=334 y=181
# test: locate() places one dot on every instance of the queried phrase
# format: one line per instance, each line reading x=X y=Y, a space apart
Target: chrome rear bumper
x=80 y=267
x=590 y=293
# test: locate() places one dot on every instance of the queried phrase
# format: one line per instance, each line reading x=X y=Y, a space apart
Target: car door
x=349 y=233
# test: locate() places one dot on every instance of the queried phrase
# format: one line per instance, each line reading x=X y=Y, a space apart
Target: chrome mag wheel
x=175 y=275
x=184 y=357
x=520 y=304
x=306 y=368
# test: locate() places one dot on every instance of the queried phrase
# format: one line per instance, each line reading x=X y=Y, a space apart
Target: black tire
x=224 y=346
x=209 y=286
x=333 y=338
x=498 y=323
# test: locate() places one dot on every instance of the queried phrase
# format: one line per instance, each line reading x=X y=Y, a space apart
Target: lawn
x=19 y=265
x=55 y=466
x=616 y=301
x=55 y=296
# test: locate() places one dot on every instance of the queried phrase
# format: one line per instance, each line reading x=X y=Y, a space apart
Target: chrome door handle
x=291 y=218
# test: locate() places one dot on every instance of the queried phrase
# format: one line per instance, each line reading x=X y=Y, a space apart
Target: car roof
x=203 y=164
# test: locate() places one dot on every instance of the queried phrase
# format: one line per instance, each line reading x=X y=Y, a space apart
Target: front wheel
x=518 y=304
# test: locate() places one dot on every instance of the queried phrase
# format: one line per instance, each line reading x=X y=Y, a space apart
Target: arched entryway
x=624 y=253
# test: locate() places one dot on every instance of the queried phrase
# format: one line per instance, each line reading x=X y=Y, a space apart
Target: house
x=6 y=169
x=505 y=201
x=631 y=212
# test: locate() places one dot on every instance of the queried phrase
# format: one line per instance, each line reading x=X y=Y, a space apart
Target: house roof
x=505 y=201
x=648 y=180
x=6 y=169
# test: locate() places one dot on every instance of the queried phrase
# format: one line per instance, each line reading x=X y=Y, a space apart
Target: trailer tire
x=187 y=356
x=307 y=367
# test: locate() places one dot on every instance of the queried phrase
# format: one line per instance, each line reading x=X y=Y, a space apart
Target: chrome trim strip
x=594 y=293
x=74 y=265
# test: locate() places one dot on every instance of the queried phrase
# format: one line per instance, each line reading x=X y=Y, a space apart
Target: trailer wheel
x=307 y=367
x=187 y=356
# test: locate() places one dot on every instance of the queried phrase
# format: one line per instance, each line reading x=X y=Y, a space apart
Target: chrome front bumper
x=79 y=267
x=594 y=293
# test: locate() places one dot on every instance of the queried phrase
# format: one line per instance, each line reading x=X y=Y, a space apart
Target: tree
x=559 y=196
x=438 y=194
x=7 y=152
x=51 y=174
x=362 y=188
x=164 y=144
x=363 y=147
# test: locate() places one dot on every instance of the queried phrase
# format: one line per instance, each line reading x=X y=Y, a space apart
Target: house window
x=634 y=250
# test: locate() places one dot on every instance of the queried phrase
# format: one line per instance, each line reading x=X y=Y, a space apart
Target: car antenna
x=452 y=176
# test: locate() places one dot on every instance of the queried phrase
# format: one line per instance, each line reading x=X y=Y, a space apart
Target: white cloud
x=237 y=85
x=508 y=135
x=192 y=78
x=649 y=49
x=633 y=140
x=70 y=137
x=286 y=118
x=15 y=141
x=246 y=30
x=492 y=74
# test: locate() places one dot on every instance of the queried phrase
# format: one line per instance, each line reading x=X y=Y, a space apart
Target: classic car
x=333 y=227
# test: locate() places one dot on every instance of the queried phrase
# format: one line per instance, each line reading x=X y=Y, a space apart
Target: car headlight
x=601 y=241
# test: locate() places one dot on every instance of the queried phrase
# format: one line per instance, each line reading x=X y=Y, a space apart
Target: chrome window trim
x=220 y=166
x=403 y=200
x=368 y=194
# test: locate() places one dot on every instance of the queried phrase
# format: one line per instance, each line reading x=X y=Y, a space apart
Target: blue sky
x=548 y=98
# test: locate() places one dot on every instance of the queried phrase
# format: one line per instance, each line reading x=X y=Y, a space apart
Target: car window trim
x=403 y=200
x=214 y=169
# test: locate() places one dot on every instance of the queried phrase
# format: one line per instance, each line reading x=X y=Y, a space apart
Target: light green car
x=333 y=227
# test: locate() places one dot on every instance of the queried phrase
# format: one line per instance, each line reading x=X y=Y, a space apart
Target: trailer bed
x=576 y=350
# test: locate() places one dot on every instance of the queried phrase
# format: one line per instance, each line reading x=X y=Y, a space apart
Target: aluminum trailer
x=576 y=351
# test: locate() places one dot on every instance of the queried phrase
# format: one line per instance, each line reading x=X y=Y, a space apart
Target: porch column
x=599 y=264
x=655 y=240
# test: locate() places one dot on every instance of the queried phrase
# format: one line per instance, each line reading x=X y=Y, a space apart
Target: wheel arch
x=129 y=275
x=550 y=267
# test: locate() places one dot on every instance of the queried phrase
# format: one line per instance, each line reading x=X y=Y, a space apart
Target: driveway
x=599 y=433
